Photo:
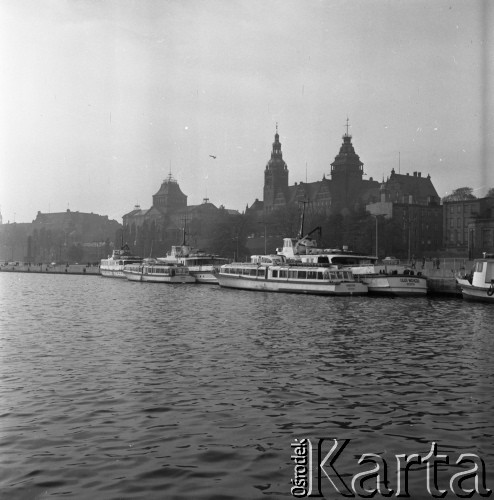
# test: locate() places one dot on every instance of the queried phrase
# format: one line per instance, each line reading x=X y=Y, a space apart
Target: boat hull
x=280 y=285
x=475 y=293
x=112 y=273
x=396 y=285
x=147 y=278
x=204 y=274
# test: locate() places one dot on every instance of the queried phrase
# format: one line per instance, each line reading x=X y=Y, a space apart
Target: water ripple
x=134 y=391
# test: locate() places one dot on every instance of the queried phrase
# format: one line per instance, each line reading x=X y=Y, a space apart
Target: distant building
x=469 y=226
x=346 y=192
x=151 y=231
x=169 y=203
x=170 y=208
x=79 y=227
x=413 y=203
x=61 y=236
x=411 y=200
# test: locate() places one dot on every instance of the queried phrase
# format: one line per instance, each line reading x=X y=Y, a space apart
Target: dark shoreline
x=438 y=281
x=46 y=269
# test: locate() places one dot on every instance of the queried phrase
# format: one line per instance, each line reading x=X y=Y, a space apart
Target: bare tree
x=460 y=194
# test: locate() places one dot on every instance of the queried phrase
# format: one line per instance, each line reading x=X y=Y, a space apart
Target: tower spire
x=276 y=152
x=347 y=126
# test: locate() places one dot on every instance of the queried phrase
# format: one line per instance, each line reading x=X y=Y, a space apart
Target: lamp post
x=377 y=238
x=265 y=235
x=235 y=257
x=377 y=235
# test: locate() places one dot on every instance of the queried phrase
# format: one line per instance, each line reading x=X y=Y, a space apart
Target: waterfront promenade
x=82 y=269
x=440 y=280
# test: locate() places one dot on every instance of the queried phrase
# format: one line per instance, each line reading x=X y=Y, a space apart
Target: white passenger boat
x=388 y=277
x=113 y=266
x=479 y=284
x=271 y=273
x=201 y=265
x=158 y=272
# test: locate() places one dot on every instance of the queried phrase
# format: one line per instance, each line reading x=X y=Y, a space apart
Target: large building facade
x=153 y=230
x=469 y=226
x=69 y=236
x=345 y=192
x=411 y=201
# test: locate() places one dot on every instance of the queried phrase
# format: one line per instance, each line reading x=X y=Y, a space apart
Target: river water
x=110 y=389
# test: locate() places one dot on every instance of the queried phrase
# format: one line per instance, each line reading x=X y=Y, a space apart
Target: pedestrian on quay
x=423 y=262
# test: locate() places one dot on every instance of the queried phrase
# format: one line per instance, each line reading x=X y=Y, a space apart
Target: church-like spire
x=276 y=154
x=347 y=161
x=347 y=126
x=275 y=175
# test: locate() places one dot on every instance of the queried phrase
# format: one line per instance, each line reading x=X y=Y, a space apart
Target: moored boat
x=201 y=265
x=152 y=271
x=271 y=273
x=479 y=284
x=113 y=266
x=388 y=277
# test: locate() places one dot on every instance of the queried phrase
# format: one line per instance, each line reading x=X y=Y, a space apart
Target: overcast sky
x=100 y=99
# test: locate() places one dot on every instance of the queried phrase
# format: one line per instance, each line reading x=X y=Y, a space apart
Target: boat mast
x=184 y=230
x=302 y=217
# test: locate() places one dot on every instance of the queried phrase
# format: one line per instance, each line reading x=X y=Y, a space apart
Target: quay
x=82 y=269
x=440 y=281
x=441 y=274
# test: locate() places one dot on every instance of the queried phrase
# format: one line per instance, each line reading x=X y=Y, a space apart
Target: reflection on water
x=112 y=389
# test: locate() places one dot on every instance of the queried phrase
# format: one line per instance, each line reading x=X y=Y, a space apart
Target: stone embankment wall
x=441 y=274
x=49 y=269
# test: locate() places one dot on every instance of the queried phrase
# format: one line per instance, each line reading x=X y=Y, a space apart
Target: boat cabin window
x=323 y=260
x=311 y=275
x=275 y=273
x=302 y=275
x=253 y=272
x=260 y=272
x=320 y=275
x=283 y=273
x=345 y=260
x=478 y=267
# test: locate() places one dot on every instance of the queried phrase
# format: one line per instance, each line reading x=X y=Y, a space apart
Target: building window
x=486 y=238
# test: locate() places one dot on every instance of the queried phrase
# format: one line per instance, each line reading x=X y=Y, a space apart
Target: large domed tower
x=275 y=177
x=169 y=198
x=346 y=175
